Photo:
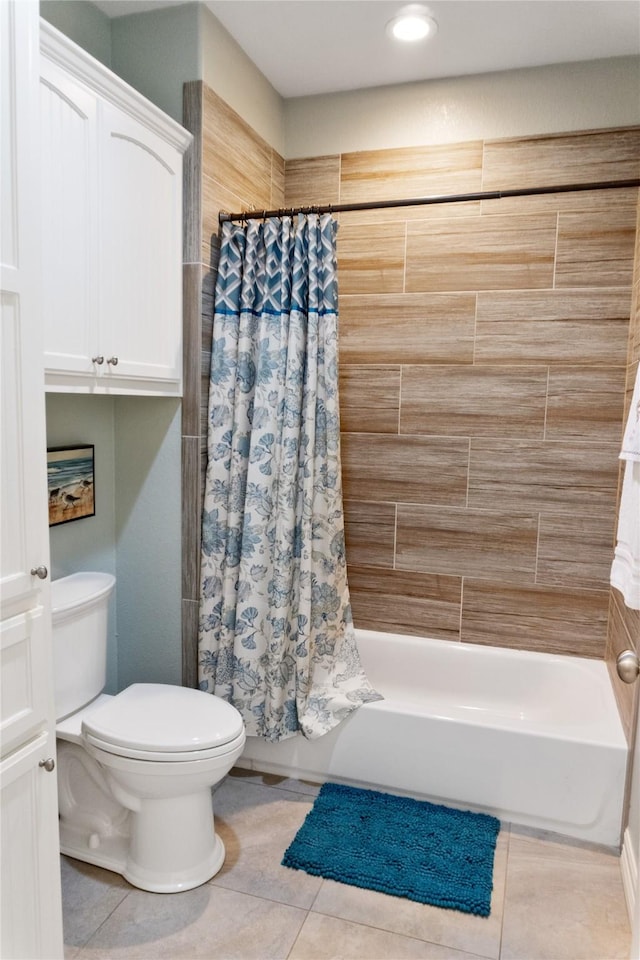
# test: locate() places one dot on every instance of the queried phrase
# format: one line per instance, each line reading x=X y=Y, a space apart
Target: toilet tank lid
x=164 y=718
x=73 y=591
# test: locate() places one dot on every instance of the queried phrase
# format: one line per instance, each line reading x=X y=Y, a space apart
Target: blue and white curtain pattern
x=276 y=634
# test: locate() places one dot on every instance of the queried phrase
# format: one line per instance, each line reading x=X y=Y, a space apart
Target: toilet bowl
x=135 y=770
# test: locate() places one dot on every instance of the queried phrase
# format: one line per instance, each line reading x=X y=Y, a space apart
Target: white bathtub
x=535 y=739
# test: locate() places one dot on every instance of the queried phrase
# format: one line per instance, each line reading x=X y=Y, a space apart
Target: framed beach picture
x=71 y=483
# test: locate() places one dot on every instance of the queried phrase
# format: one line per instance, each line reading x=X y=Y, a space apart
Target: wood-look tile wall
x=624 y=623
x=483 y=351
x=229 y=168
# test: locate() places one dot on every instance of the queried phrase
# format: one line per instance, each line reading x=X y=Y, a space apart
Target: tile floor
x=552 y=900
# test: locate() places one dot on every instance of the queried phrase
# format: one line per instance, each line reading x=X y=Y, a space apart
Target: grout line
x=395 y=534
x=404 y=260
x=555 y=252
x=546 y=405
x=535 y=572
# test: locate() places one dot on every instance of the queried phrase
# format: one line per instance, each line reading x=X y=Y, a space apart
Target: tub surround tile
x=190 y=625
x=370 y=530
x=434 y=211
x=449 y=928
x=192 y=339
x=585 y=404
x=407 y=328
x=593 y=200
x=369 y=399
x=573 y=891
x=310 y=181
x=548 y=477
x=553 y=326
x=548 y=160
x=468 y=543
x=490 y=401
x=486 y=253
x=535 y=618
x=325 y=938
x=371 y=258
x=595 y=249
x=411 y=172
x=623 y=634
x=191 y=517
x=405 y=602
x=394 y=468
x=278 y=175
x=575 y=551
x=226 y=136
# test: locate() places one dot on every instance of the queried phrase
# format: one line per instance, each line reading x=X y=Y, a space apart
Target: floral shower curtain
x=276 y=635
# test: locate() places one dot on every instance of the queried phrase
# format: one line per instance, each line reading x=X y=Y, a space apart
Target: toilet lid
x=163 y=718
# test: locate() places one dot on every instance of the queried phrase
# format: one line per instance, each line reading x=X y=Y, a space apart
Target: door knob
x=628 y=666
x=97 y=360
x=49 y=764
x=113 y=361
x=40 y=572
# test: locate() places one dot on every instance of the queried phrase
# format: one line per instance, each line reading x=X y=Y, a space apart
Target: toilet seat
x=162 y=722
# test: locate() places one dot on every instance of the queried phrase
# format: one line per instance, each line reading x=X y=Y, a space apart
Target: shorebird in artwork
x=70 y=500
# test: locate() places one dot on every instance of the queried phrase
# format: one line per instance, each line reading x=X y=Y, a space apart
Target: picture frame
x=71 y=483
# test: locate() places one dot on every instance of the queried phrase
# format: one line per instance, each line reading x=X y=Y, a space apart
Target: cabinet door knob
x=40 y=572
x=49 y=764
x=113 y=361
x=628 y=666
x=97 y=360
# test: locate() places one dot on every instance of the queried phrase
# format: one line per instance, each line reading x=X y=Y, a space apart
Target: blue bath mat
x=407 y=848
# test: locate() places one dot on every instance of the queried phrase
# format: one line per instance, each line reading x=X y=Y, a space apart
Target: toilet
x=135 y=770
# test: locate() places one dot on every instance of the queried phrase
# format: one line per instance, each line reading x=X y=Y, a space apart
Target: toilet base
x=112 y=854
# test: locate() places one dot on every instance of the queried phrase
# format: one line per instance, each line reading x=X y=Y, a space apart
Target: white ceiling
x=307 y=47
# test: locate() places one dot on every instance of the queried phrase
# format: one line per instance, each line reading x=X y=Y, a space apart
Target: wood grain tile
x=485 y=253
x=595 y=249
x=535 y=618
x=528 y=475
x=435 y=211
x=315 y=180
x=575 y=551
x=216 y=197
x=553 y=326
x=277 y=179
x=477 y=543
x=489 y=401
x=410 y=469
x=411 y=172
x=623 y=634
x=369 y=399
x=192 y=340
x=227 y=137
x=582 y=157
x=370 y=531
x=407 y=328
x=593 y=200
x=585 y=404
x=405 y=602
x=371 y=258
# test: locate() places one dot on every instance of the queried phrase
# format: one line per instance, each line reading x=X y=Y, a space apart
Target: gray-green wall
x=83 y=23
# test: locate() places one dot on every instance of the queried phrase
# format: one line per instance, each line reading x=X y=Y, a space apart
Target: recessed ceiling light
x=412 y=23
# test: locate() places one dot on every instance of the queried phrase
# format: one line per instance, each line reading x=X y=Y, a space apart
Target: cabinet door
x=141 y=278
x=31 y=917
x=69 y=223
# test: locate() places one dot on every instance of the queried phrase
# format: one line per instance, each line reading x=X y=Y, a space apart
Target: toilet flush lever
x=40 y=572
x=49 y=764
x=628 y=666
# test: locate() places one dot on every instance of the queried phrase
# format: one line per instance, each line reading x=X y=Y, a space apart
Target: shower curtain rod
x=425 y=201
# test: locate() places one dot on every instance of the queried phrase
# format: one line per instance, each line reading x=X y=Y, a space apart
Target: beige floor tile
x=202 y=923
x=450 y=928
x=89 y=895
x=327 y=938
x=563 y=902
x=257 y=823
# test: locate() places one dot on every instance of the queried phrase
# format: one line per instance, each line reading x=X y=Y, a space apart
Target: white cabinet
x=31 y=919
x=112 y=239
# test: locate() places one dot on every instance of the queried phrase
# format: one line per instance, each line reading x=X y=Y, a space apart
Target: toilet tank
x=79 y=607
